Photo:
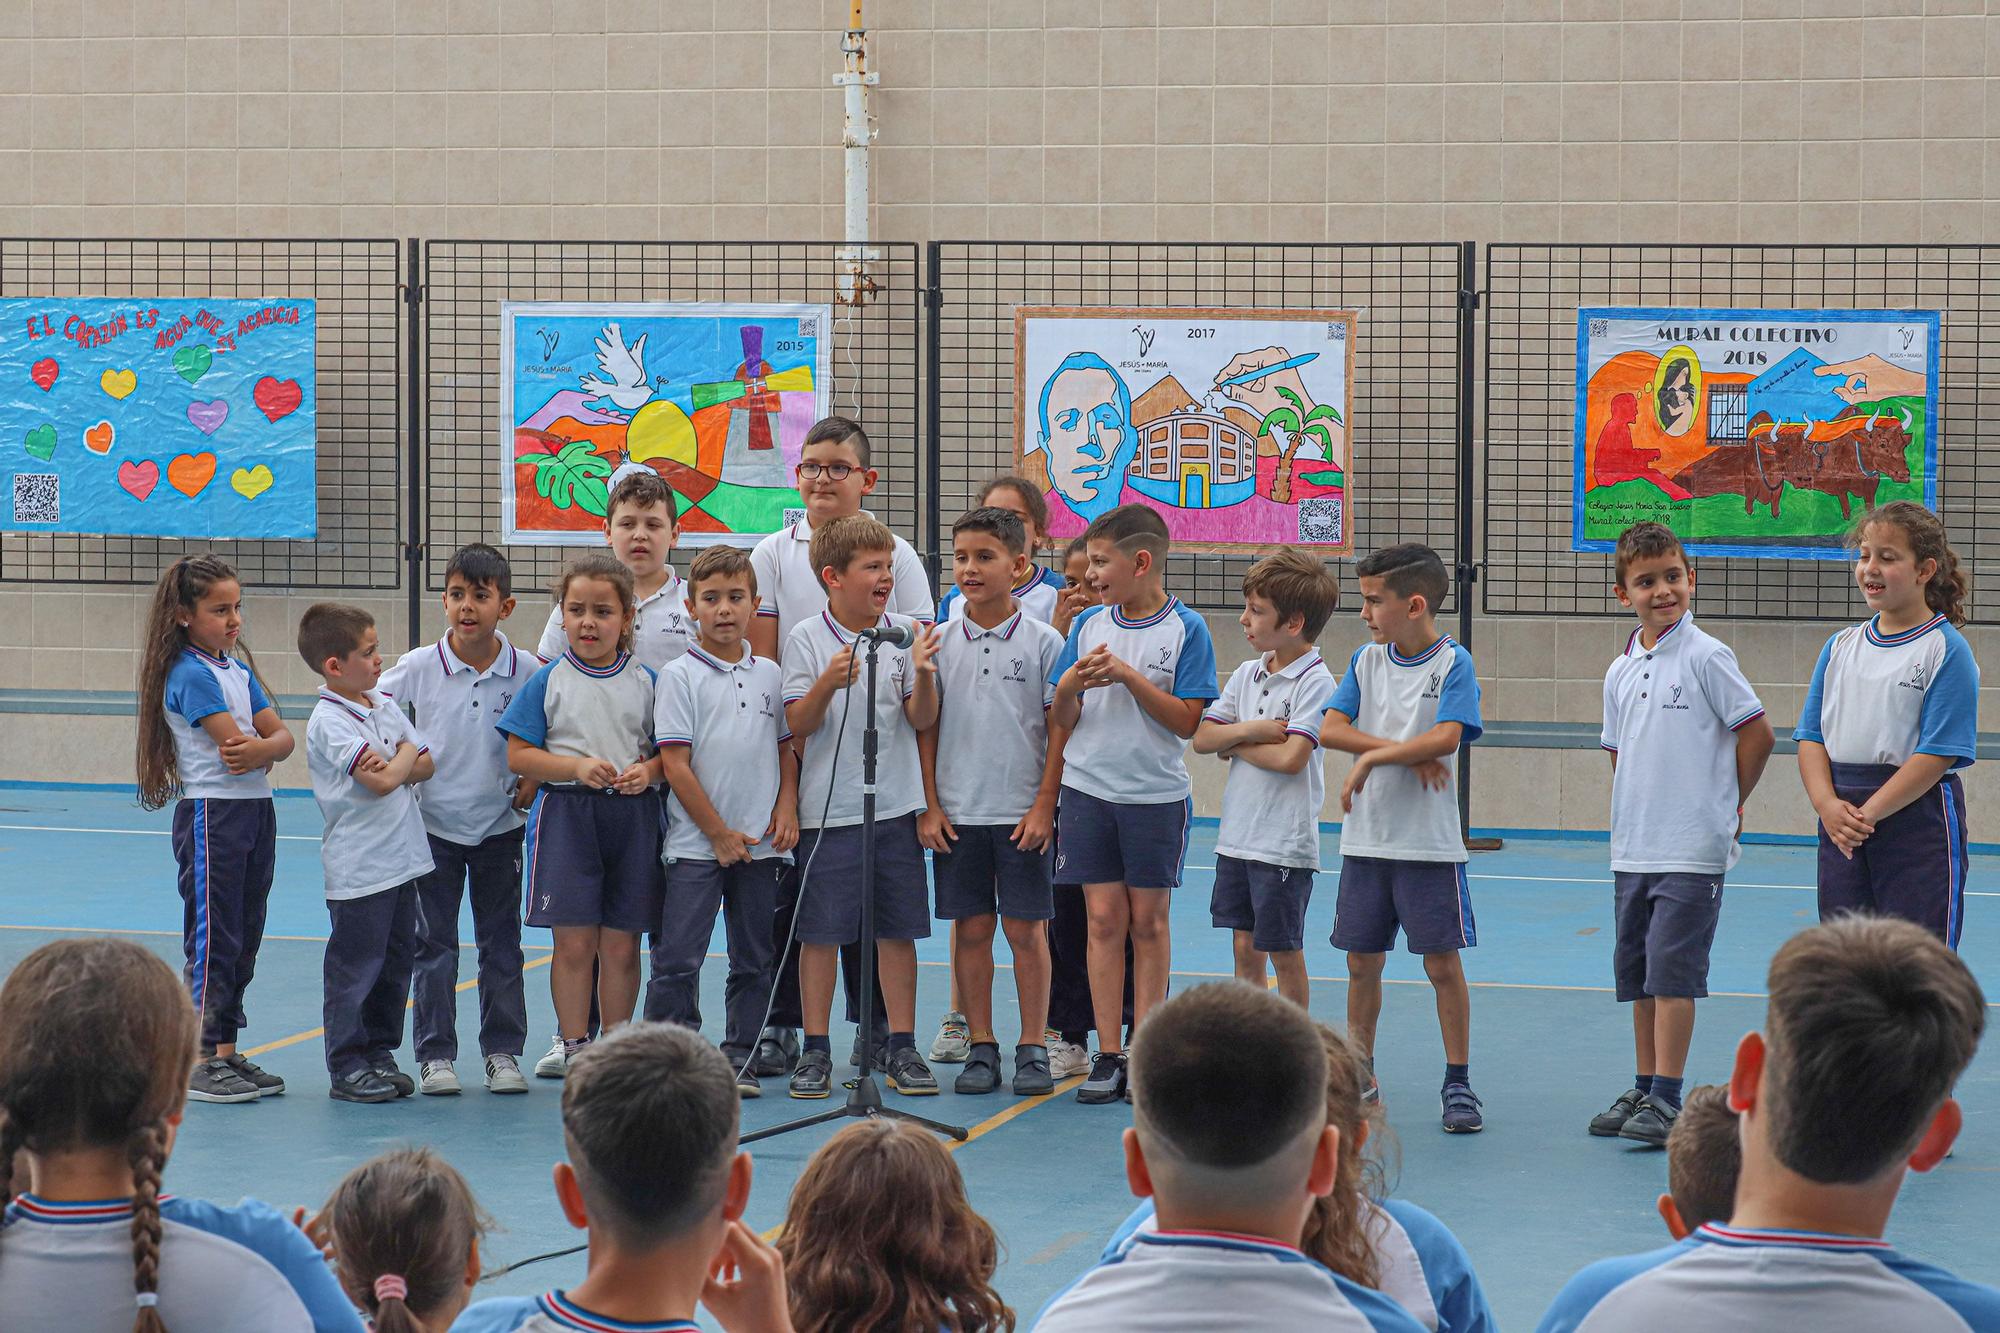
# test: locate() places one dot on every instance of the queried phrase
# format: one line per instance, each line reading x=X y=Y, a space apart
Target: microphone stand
x=864 y=1098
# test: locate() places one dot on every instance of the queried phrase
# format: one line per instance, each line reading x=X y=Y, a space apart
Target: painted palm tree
x=568 y=473
x=1299 y=424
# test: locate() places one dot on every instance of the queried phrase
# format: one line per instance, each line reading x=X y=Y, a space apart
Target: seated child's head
x=1338 y=1232
x=478 y=591
x=340 y=644
x=880 y=1234
x=1401 y=588
x=1704 y=1156
x=598 y=604
x=1870 y=1023
x=649 y=1118
x=407 y=1231
x=834 y=445
x=1257 y=1142
x=639 y=519
x=127 y=1011
x=989 y=554
x=855 y=558
x=1019 y=496
x=1128 y=552
x=1288 y=597
x=722 y=594
x=1076 y=563
x=1654 y=577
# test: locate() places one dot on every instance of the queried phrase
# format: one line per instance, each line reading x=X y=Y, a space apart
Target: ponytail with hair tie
x=389 y=1287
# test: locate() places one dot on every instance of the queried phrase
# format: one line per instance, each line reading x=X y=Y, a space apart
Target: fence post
x=1467 y=570
x=413 y=540
x=933 y=414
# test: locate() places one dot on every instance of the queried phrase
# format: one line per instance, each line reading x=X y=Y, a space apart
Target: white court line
x=132 y=832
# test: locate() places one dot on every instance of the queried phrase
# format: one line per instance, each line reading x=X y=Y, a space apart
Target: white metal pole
x=854 y=286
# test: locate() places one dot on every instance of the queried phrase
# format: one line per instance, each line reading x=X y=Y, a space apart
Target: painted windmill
x=755 y=389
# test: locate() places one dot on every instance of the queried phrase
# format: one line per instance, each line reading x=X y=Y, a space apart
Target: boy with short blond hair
x=1704 y=1157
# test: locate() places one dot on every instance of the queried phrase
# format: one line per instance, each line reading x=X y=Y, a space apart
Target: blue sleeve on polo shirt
x=1808 y=728
x=1347 y=695
x=263 y=1230
x=1069 y=654
x=1194 y=674
x=501 y=1314
x=944 y=603
x=259 y=700
x=1454 y=1286
x=527 y=717
x=1949 y=721
x=193 y=691
x=1458 y=700
x=1582 y=1293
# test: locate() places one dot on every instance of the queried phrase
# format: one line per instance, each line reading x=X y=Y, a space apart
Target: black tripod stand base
x=863 y=1103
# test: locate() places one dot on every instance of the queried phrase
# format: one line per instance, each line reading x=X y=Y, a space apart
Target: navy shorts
x=985 y=872
x=1428 y=899
x=830 y=898
x=1666 y=924
x=1914 y=864
x=1268 y=901
x=1107 y=842
x=593 y=859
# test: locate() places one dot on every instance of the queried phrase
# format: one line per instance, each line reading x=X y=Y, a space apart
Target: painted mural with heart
x=159 y=417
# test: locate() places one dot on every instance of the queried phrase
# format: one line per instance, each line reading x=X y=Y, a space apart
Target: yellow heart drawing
x=118 y=383
x=251 y=482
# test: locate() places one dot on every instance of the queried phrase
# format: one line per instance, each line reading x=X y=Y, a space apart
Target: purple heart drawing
x=208 y=417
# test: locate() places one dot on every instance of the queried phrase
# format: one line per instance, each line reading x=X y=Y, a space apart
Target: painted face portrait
x=1675 y=400
x=1086 y=431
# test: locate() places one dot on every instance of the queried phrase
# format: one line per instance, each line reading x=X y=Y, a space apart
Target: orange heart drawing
x=188 y=473
x=98 y=438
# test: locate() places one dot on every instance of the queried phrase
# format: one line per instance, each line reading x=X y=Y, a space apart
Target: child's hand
x=1036 y=828
x=1260 y=731
x=595 y=773
x=783 y=830
x=745 y=1288
x=934 y=830
x=241 y=753
x=1069 y=603
x=730 y=846
x=1357 y=778
x=634 y=780
x=839 y=670
x=923 y=653
x=369 y=762
x=1845 y=825
x=1100 y=667
x=1433 y=774
x=317 y=1231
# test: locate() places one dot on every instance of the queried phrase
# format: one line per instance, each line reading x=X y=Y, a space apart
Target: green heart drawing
x=191 y=363
x=41 y=441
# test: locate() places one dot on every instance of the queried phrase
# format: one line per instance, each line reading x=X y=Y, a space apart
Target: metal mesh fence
x=357 y=287
x=1407 y=363
x=1531 y=299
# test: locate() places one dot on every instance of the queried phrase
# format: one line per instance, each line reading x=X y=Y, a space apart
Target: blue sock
x=898 y=1040
x=1458 y=1074
x=1667 y=1090
x=821 y=1043
x=1643 y=1082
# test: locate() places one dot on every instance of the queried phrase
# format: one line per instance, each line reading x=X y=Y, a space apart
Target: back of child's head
x=840 y=430
x=838 y=541
x=1337 y=1231
x=331 y=629
x=650 y=1119
x=1237 y=1141
x=99 y=1038
x=404 y=1225
x=1646 y=541
x=1133 y=528
x=880 y=1235
x=641 y=488
x=1003 y=525
x=1408 y=569
x=1031 y=499
x=179 y=590
x=1704 y=1157
x=722 y=562
x=482 y=567
x=1925 y=535
x=1295 y=584
x=1870 y=1023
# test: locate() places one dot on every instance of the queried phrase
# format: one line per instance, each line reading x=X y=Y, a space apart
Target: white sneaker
x=555 y=1064
x=954 y=1041
x=1066 y=1058
x=503 y=1074
x=438 y=1079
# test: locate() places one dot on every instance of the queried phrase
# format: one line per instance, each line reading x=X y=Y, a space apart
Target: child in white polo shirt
x=364 y=756
x=733 y=818
x=1688 y=741
x=640 y=521
x=456 y=691
x=1267 y=725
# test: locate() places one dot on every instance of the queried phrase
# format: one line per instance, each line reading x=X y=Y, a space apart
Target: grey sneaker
x=1106 y=1083
x=1651 y=1123
x=1066 y=1058
x=812 y=1079
x=954 y=1041
x=982 y=1069
x=1606 y=1123
x=1031 y=1072
x=503 y=1074
x=908 y=1074
x=266 y=1083
x=1460 y=1110
x=438 y=1079
x=556 y=1063
x=214 y=1081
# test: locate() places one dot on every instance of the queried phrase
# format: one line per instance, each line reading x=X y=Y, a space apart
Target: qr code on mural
x=1599 y=327
x=809 y=326
x=794 y=516
x=1320 y=519
x=37 y=497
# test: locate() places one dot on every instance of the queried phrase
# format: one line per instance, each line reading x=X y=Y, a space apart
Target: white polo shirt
x=1400 y=698
x=832 y=761
x=1670 y=715
x=731 y=716
x=1117 y=752
x=1036 y=592
x=1273 y=818
x=789 y=590
x=200 y=686
x=1729 y=1280
x=471 y=797
x=584 y=712
x=371 y=842
x=993 y=726
x=661 y=630
x=1879 y=698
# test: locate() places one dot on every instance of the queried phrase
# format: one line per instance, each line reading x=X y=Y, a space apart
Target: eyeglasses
x=831 y=471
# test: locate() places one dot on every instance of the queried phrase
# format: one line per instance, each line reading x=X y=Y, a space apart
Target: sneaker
x=363 y=1085
x=397 y=1079
x=1606 y=1123
x=556 y=1063
x=812 y=1078
x=747 y=1085
x=982 y=1069
x=1066 y=1058
x=214 y=1081
x=777 y=1053
x=954 y=1042
x=1651 y=1123
x=1106 y=1083
x=267 y=1084
x=1461 y=1110
x=907 y=1073
x=1031 y=1072
x=503 y=1074
x=438 y=1079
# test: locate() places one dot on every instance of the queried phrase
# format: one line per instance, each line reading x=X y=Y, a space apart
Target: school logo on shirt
x=765 y=709
x=1919 y=677
x=1673 y=700
x=506 y=697
x=1434 y=687
x=1164 y=659
x=1017 y=668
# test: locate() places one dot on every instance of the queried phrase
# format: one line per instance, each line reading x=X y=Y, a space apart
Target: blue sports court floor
x=1533 y=1198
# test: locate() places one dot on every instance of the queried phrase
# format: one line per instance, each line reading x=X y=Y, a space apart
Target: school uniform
x=475 y=834
x=1875 y=700
x=992 y=749
x=1402 y=853
x=374 y=851
x=1037 y=593
x=1736 y=1280
x=1267 y=844
x=225 y=838
x=1671 y=714
x=730 y=716
x=790 y=592
x=592 y=854
x=265 y=1231
x=661 y=629
x=553 y=1312
x=1125 y=806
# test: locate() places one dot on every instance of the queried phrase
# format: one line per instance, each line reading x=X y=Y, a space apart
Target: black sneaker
x=214 y=1081
x=982 y=1069
x=747 y=1085
x=907 y=1072
x=777 y=1053
x=812 y=1079
x=1460 y=1110
x=1651 y=1123
x=268 y=1084
x=1031 y=1072
x=363 y=1085
x=1106 y=1083
x=397 y=1079
x=1606 y=1123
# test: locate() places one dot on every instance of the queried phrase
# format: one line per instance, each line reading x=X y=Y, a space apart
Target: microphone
x=895 y=636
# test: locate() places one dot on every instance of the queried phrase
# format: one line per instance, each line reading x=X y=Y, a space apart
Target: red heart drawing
x=44 y=373
x=139 y=479
x=277 y=398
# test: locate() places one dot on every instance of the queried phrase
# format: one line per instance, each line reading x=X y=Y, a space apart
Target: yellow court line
x=298 y=1037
